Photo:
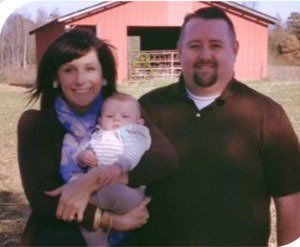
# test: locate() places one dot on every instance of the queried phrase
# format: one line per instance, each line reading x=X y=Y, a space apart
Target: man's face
x=207 y=54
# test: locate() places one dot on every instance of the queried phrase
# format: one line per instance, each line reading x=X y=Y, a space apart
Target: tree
x=54 y=14
x=15 y=41
x=284 y=45
x=291 y=44
x=2 y=41
x=276 y=35
x=293 y=24
x=41 y=17
x=17 y=47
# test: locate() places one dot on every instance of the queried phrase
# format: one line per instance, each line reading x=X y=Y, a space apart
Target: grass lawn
x=13 y=103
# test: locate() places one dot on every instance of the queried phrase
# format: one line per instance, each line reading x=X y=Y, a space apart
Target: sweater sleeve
x=158 y=162
x=136 y=139
x=39 y=157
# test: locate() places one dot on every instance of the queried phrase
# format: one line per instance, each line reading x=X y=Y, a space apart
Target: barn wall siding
x=46 y=37
x=113 y=23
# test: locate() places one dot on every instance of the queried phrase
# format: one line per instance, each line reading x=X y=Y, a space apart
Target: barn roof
x=103 y=6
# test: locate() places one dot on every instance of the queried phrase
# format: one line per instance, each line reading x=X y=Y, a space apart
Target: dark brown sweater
x=40 y=137
x=233 y=156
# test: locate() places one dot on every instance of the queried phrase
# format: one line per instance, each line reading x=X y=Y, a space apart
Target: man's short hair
x=209 y=13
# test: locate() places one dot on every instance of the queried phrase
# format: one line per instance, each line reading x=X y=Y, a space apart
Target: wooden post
x=172 y=65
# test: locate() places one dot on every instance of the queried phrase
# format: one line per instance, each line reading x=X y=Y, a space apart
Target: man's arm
x=288 y=218
x=158 y=162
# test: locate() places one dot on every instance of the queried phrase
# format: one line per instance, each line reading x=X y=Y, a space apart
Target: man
x=236 y=149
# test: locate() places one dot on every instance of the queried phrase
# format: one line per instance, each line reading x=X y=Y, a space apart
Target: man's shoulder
x=160 y=95
x=255 y=97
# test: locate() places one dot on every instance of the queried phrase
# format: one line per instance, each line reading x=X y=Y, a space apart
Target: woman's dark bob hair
x=71 y=45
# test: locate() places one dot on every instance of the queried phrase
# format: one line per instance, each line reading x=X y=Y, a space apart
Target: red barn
x=154 y=26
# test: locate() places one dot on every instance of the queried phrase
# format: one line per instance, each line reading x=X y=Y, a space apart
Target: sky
x=29 y=7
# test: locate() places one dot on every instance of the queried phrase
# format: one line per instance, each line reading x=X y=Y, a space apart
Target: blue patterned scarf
x=79 y=129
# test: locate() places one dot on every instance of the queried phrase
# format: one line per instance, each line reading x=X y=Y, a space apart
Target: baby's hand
x=87 y=158
x=110 y=174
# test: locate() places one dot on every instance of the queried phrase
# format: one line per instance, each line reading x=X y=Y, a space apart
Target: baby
x=119 y=126
x=117 y=146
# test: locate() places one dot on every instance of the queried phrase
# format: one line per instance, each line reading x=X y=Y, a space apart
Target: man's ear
x=179 y=47
x=141 y=121
x=236 y=47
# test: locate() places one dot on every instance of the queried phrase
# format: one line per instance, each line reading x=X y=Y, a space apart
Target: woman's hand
x=134 y=219
x=73 y=200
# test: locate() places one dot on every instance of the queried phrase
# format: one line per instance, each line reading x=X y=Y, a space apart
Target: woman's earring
x=104 y=82
x=55 y=84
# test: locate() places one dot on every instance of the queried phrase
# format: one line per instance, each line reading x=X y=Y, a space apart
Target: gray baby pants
x=117 y=198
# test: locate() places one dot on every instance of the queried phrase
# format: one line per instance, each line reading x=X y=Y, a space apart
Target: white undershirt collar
x=201 y=101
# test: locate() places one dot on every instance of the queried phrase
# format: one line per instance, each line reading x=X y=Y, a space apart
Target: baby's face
x=117 y=113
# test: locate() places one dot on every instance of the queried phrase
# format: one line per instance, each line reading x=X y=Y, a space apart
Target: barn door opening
x=152 y=52
x=156 y=38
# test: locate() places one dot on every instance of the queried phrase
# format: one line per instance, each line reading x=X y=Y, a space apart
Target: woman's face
x=81 y=80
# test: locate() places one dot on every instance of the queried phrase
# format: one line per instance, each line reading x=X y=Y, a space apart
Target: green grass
x=287 y=94
x=138 y=89
x=13 y=103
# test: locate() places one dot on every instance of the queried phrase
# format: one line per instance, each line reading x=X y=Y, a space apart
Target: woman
x=81 y=69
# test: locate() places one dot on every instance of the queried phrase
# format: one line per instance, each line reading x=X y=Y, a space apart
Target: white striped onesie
x=124 y=146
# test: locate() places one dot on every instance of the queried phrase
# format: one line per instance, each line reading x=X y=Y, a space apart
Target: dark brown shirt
x=234 y=155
